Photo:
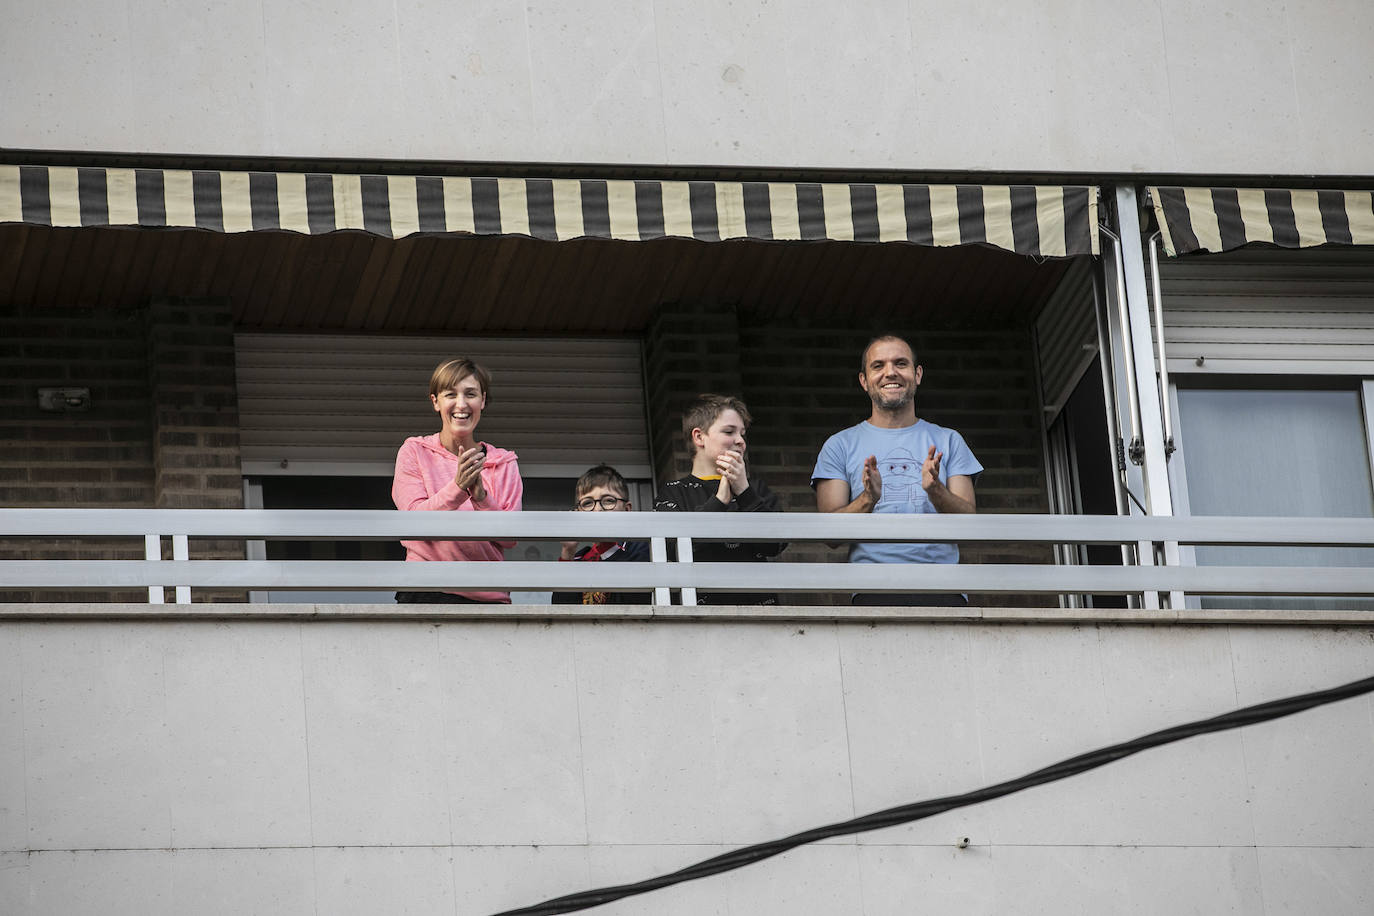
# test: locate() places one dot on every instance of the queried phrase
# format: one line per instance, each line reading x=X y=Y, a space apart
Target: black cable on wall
x=904 y=814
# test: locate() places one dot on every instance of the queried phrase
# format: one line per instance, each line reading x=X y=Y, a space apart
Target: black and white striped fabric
x=1038 y=220
x=1219 y=219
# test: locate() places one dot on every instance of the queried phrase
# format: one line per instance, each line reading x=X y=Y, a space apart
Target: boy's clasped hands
x=733 y=480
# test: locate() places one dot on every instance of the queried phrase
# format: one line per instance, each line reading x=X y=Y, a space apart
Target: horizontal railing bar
x=367 y=524
x=744 y=577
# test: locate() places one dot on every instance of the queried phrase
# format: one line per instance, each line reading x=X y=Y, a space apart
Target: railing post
x=684 y=555
x=152 y=550
x=658 y=553
x=181 y=551
x=1145 y=556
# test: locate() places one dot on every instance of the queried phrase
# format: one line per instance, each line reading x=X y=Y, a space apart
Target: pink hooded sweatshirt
x=424 y=481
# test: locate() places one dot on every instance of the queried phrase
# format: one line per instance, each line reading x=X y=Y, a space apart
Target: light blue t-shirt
x=900 y=453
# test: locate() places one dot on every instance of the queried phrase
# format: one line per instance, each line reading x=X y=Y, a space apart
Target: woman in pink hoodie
x=452 y=470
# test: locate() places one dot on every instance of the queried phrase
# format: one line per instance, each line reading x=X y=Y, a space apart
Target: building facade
x=1134 y=250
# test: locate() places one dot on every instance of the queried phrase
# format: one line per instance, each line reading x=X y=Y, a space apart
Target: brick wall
x=800 y=380
x=688 y=350
x=195 y=412
x=95 y=458
x=99 y=457
x=161 y=431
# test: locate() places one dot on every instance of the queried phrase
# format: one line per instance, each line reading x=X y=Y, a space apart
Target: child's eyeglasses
x=588 y=503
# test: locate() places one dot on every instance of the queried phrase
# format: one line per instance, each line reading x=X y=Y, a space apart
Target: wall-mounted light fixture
x=60 y=400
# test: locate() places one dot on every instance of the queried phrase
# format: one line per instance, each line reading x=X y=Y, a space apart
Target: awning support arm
x=1159 y=346
x=1135 y=450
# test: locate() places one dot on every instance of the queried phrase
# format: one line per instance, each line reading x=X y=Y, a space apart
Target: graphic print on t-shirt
x=901 y=472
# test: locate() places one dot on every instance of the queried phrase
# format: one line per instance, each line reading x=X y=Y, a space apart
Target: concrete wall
x=1077 y=85
x=341 y=767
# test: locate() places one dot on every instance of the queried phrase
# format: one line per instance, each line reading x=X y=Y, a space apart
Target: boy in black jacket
x=714 y=426
x=602 y=489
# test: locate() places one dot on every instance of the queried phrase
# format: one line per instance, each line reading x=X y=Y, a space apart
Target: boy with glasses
x=602 y=489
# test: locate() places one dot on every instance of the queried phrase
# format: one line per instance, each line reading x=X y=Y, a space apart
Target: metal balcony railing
x=1148 y=582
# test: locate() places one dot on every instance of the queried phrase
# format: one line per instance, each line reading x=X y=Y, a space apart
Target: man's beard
x=893 y=402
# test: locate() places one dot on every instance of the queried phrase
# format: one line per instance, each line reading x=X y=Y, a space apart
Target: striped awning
x=1038 y=220
x=1219 y=219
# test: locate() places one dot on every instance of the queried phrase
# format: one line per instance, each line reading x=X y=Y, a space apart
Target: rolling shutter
x=1268 y=311
x=336 y=404
x=1066 y=336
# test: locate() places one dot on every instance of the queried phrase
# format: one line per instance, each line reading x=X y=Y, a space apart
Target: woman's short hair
x=450 y=372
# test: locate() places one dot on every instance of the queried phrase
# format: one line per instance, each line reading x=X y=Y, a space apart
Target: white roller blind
x=342 y=404
x=1265 y=311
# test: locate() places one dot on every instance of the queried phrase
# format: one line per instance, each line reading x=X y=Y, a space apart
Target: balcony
x=482 y=757
x=1156 y=584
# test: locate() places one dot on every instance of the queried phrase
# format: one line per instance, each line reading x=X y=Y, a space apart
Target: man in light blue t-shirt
x=895 y=462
